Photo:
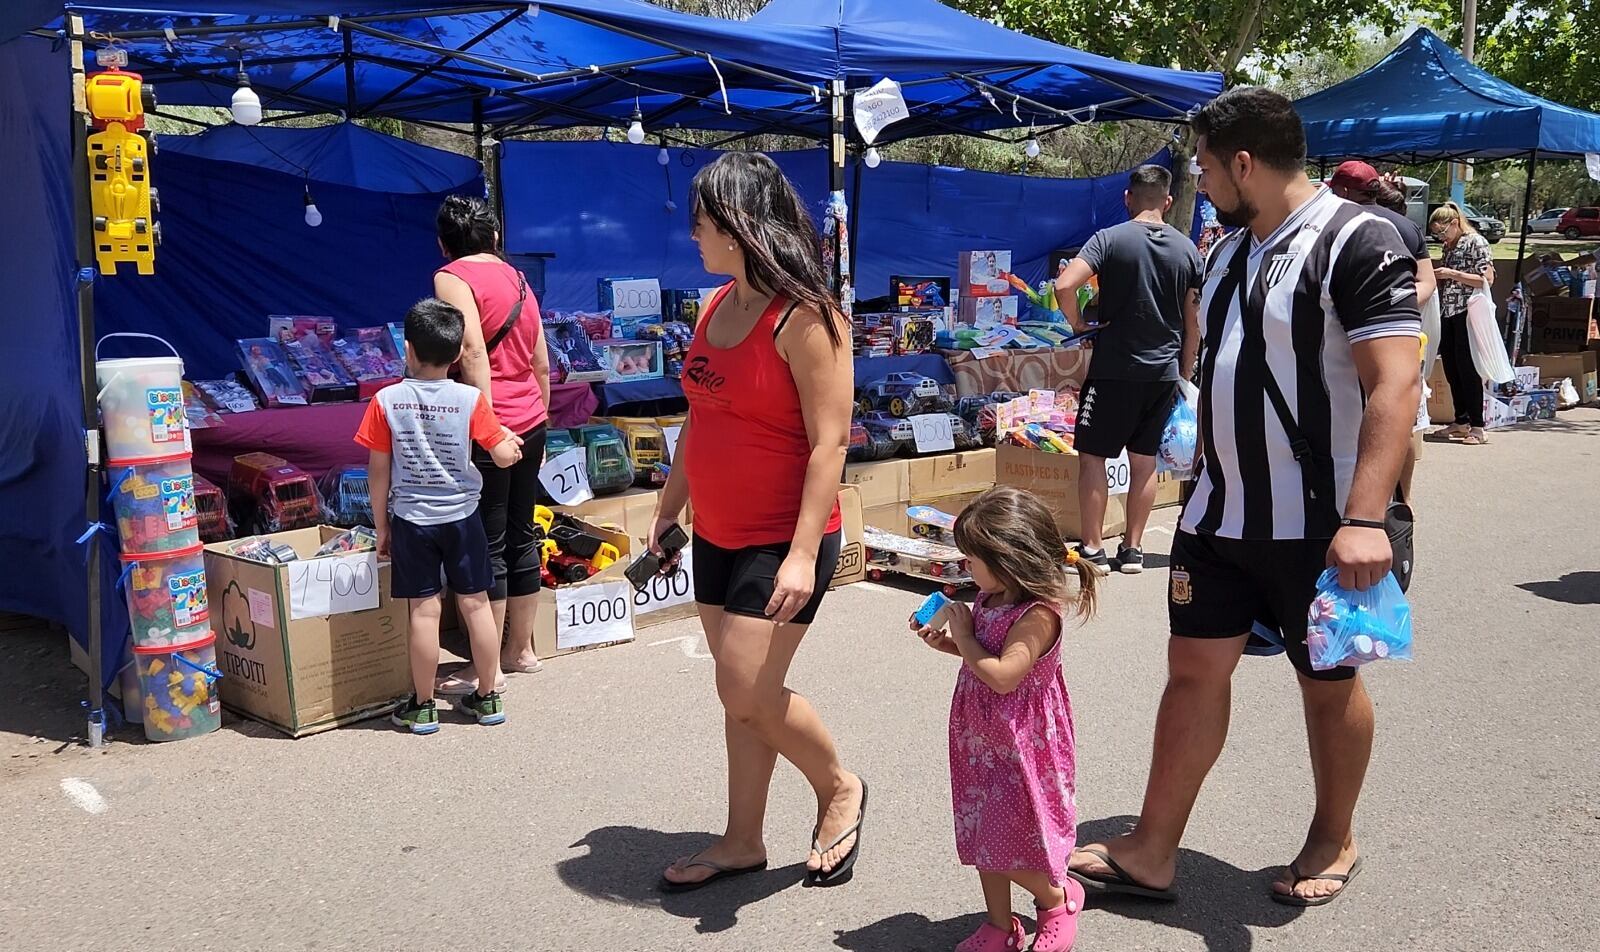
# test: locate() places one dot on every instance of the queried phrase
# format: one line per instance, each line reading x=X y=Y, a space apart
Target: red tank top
x=747 y=448
x=515 y=394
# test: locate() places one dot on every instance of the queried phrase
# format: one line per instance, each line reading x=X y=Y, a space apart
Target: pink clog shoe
x=990 y=939
x=1058 y=927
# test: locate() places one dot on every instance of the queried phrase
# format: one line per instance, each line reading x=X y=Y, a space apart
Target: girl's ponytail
x=1088 y=593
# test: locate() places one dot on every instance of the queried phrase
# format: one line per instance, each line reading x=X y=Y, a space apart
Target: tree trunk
x=1184 y=185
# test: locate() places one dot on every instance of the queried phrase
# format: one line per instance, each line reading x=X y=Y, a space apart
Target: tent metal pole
x=427 y=71
x=855 y=215
x=1522 y=251
x=1181 y=114
x=83 y=208
x=349 y=75
x=477 y=128
x=836 y=155
x=288 y=26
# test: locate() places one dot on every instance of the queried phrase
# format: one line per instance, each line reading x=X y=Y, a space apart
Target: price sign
x=597 y=614
x=878 y=107
x=1117 y=474
x=668 y=591
x=932 y=432
x=333 y=585
x=672 y=433
x=566 y=478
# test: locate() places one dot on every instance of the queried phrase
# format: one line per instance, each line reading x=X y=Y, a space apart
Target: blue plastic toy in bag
x=1349 y=629
x=1182 y=434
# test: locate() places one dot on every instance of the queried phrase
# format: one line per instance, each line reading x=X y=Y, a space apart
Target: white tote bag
x=1433 y=329
x=1483 y=335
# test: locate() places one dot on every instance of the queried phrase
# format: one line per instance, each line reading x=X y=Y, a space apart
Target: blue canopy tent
x=1426 y=102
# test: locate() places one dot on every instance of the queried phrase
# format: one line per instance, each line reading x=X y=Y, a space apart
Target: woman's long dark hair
x=467 y=226
x=749 y=199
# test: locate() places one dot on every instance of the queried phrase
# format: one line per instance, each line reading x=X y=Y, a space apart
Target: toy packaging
x=647 y=449
x=397 y=333
x=368 y=356
x=675 y=338
x=357 y=539
x=873 y=334
x=919 y=292
x=211 y=511
x=177 y=684
x=627 y=360
x=632 y=302
x=291 y=327
x=199 y=414
x=1349 y=629
x=913 y=335
x=167 y=599
x=155 y=505
x=988 y=311
x=983 y=274
x=271 y=375
x=268 y=494
x=325 y=380
x=258 y=549
x=902 y=395
x=229 y=395
x=346 y=496
x=606 y=459
x=683 y=304
x=573 y=358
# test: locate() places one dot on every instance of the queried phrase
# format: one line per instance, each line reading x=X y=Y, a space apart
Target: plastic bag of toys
x=1182 y=434
x=1349 y=629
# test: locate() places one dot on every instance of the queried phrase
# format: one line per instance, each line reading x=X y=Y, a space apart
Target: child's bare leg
x=1046 y=895
x=424 y=642
x=478 y=616
x=997 y=897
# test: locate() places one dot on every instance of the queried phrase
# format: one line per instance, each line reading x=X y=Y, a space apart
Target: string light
x=1031 y=149
x=662 y=158
x=872 y=158
x=313 y=214
x=246 y=105
x=636 y=128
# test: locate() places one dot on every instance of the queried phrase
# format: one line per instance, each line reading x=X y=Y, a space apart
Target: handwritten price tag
x=566 y=478
x=1117 y=474
x=668 y=591
x=596 y=614
x=932 y=432
x=333 y=585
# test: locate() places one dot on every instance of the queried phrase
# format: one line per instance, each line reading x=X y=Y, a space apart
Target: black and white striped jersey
x=1331 y=276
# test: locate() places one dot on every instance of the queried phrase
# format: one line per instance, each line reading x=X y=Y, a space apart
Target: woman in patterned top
x=1467 y=268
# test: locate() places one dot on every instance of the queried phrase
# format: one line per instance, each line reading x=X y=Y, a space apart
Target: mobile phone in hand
x=648 y=565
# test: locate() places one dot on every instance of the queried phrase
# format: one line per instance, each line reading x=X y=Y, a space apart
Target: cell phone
x=931 y=607
x=648 y=565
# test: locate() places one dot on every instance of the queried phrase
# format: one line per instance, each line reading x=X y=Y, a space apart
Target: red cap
x=1355 y=175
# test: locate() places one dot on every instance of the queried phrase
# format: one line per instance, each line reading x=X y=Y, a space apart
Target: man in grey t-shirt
x=1149 y=315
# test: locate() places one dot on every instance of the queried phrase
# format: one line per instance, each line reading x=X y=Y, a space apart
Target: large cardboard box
x=1169 y=491
x=588 y=614
x=1441 y=406
x=302 y=675
x=890 y=518
x=1580 y=367
x=1560 y=325
x=951 y=473
x=881 y=483
x=954 y=504
x=852 y=565
x=1053 y=477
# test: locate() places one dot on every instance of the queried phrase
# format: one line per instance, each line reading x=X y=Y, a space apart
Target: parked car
x=1490 y=227
x=1544 y=223
x=1580 y=223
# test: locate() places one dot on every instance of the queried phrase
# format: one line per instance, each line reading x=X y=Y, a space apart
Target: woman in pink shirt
x=503 y=355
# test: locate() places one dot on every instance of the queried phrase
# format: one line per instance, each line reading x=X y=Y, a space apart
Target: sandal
x=1476 y=437
x=718 y=871
x=534 y=668
x=1119 y=882
x=842 y=873
x=463 y=683
x=1292 y=900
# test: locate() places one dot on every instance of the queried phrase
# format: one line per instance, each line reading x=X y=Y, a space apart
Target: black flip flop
x=1119 y=882
x=718 y=871
x=842 y=873
x=1293 y=900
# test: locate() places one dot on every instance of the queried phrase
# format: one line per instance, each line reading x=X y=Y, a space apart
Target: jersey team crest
x=1279 y=266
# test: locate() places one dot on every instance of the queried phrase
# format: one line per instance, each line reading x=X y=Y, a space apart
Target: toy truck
x=268 y=494
x=902 y=394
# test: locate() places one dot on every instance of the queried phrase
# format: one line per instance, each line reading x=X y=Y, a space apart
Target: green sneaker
x=416 y=718
x=488 y=710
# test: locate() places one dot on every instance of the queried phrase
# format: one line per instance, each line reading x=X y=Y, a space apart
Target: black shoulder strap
x=511 y=318
x=784 y=320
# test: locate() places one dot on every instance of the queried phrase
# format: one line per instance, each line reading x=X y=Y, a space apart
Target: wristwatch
x=1363 y=523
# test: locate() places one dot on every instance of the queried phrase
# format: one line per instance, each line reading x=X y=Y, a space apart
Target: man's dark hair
x=1389 y=197
x=1149 y=185
x=1256 y=120
x=466 y=226
x=434 y=329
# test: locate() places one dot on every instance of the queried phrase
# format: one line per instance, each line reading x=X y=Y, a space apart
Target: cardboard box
x=1560 y=325
x=950 y=473
x=1169 y=491
x=1053 y=477
x=559 y=630
x=1542 y=276
x=304 y=675
x=1441 y=406
x=1579 y=367
x=890 y=518
x=881 y=483
x=980 y=274
x=954 y=504
x=987 y=311
x=852 y=565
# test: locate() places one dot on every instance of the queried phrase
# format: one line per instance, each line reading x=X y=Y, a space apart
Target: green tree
x=1547 y=48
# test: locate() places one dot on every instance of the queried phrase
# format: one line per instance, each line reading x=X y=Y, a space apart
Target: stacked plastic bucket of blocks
x=151 y=481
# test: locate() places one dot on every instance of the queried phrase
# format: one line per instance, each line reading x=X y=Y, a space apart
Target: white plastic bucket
x=141 y=403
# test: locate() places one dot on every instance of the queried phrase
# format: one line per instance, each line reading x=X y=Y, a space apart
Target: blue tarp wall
x=603 y=209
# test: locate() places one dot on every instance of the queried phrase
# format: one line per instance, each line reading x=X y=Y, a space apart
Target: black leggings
x=1466 y=387
x=509 y=496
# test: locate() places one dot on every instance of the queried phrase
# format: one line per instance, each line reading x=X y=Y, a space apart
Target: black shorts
x=420 y=554
x=740 y=581
x=1220 y=588
x=1117 y=415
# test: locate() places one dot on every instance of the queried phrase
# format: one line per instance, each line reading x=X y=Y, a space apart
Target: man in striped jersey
x=1309 y=388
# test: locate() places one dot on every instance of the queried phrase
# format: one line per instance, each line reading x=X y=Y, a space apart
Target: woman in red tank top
x=769 y=381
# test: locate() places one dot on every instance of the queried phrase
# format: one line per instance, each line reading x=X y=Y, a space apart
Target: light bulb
x=246 y=105
x=662 y=158
x=872 y=158
x=313 y=214
x=1032 y=149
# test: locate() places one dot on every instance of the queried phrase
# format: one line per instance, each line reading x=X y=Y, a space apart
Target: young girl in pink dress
x=1012 y=764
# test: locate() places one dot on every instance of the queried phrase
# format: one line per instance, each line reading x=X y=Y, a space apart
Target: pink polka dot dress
x=1013 y=771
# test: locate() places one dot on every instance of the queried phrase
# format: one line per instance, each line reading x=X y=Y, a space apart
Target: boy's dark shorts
x=1220 y=588
x=1117 y=415
x=419 y=555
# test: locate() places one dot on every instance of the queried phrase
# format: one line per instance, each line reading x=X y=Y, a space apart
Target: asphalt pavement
x=1479 y=824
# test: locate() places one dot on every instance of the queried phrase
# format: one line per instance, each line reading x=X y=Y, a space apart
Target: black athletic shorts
x=420 y=554
x=740 y=581
x=1117 y=415
x=1220 y=588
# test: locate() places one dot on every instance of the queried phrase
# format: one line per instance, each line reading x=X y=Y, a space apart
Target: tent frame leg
x=1522 y=252
x=83 y=209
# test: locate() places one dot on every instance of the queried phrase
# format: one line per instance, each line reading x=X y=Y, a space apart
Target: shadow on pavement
x=912 y=932
x=1574 y=588
x=624 y=864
